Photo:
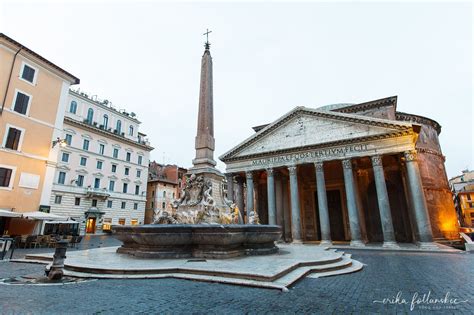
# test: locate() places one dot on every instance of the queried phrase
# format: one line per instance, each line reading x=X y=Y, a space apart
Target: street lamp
x=62 y=142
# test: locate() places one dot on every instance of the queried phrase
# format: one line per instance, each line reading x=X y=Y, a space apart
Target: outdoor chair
x=46 y=240
x=30 y=240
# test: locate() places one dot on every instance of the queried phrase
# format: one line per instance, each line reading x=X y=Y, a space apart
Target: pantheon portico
x=348 y=172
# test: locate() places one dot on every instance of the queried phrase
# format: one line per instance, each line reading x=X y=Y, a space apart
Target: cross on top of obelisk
x=207 y=44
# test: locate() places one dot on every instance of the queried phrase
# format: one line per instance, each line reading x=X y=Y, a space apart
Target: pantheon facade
x=358 y=173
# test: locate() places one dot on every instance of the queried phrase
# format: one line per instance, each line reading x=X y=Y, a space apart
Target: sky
x=268 y=58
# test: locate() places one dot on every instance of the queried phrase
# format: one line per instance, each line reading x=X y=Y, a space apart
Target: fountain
x=202 y=223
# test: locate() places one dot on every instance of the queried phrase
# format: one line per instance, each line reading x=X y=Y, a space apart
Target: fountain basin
x=200 y=241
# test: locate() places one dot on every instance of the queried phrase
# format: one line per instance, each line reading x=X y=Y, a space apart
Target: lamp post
x=62 y=142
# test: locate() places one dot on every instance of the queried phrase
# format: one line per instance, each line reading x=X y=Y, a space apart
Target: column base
x=296 y=242
x=357 y=243
x=325 y=243
x=428 y=245
x=390 y=244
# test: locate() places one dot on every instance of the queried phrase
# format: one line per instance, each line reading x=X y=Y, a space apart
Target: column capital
x=410 y=156
x=376 y=160
x=269 y=171
x=347 y=164
x=249 y=174
x=319 y=166
x=292 y=169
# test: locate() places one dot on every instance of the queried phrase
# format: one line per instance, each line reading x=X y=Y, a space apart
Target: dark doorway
x=336 y=219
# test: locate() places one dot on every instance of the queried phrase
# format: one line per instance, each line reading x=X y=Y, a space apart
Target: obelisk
x=204 y=162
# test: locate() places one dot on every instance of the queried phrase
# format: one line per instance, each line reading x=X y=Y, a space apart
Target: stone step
x=299 y=273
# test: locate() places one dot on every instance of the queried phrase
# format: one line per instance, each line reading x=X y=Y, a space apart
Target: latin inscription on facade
x=317 y=154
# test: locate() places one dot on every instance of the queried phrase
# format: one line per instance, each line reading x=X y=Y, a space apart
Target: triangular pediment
x=305 y=127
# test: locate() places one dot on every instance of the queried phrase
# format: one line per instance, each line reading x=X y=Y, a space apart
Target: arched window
x=73 y=107
x=119 y=126
x=106 y=121
x=130 y=131
x=90 y=116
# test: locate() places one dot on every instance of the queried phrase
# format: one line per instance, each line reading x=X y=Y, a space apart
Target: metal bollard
x=56 y=269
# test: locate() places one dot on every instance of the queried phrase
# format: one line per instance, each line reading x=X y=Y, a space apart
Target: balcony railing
x=97 y=193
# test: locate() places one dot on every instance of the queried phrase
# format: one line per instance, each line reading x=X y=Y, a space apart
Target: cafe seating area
x=44 y=241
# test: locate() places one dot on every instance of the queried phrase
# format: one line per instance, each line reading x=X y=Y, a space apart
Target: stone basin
x=200 y=241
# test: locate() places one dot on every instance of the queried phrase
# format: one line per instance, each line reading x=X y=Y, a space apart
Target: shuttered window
x=5 y=176
x=28 y=73
x=13 y=138
x=21 y=103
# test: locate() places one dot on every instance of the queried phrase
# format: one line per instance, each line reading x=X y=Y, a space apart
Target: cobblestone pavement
x=386 y=275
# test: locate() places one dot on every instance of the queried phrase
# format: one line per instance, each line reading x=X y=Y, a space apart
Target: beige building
x=463 y=189
x=33 y=94
x=101 y=174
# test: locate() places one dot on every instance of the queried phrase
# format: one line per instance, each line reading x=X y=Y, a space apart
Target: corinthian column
x=351 y=204
x=249 y=206
x=295 y=206
x=419 y=202
x=384 y=203
x=271 y=197
x=322 y=205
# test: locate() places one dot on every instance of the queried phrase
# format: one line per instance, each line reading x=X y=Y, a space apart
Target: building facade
x=346 y=172
x=463 y=190
x=101 y=174
x=33 y=92
x=164 y=186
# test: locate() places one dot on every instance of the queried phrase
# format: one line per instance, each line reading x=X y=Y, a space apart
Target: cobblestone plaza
x=385 y=275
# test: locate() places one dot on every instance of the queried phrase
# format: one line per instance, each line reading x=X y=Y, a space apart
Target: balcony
x=100 y=193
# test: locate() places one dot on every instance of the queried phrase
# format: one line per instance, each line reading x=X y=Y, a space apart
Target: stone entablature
x=324 y=153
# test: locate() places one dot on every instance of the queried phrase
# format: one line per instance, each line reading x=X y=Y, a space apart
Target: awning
x=9 y=213
x=62 y=222
x=38 y=215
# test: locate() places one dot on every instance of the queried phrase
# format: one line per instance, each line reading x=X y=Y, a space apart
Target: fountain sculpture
x=202 y=222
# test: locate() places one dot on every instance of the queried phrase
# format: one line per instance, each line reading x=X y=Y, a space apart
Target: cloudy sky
x=268 y=58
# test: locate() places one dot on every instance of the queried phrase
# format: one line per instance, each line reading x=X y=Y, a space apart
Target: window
x=101 y=149
x=173 y=195
x=73 y=107
x=80 y=180
x=137 y=189
x=125 y=188
x=140 y=159
x=107 y=225
x=83 y=161
x=61 y=178
x=139 y=173
x=105 y=121
x=58 y=199
x=5 y=176
x=163 y=206
x=134 y=221
x=130 y=131
x=123 y=205
x=135 y=206
x=21 y=103
x=164 y=194
x=111 y=185
x=153 y=193
x=109 y=203
x=97 y=183
x=13 y=138
x=28 y=73
x=68 y=139
x=129 y=156
x=152 y=205
x=65 y=157
x=118 y=127
x=90 y=116
x=77 y=201
x=94 y=202
x=99 y=165
x=127 y=171
x=85 y=145
x=115 y=153
x=114 y=168
x=121 y=221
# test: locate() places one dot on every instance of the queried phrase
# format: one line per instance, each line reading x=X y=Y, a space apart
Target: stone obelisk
x=204 y=163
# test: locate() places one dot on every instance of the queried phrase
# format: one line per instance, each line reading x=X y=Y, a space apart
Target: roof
x=22 y=47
